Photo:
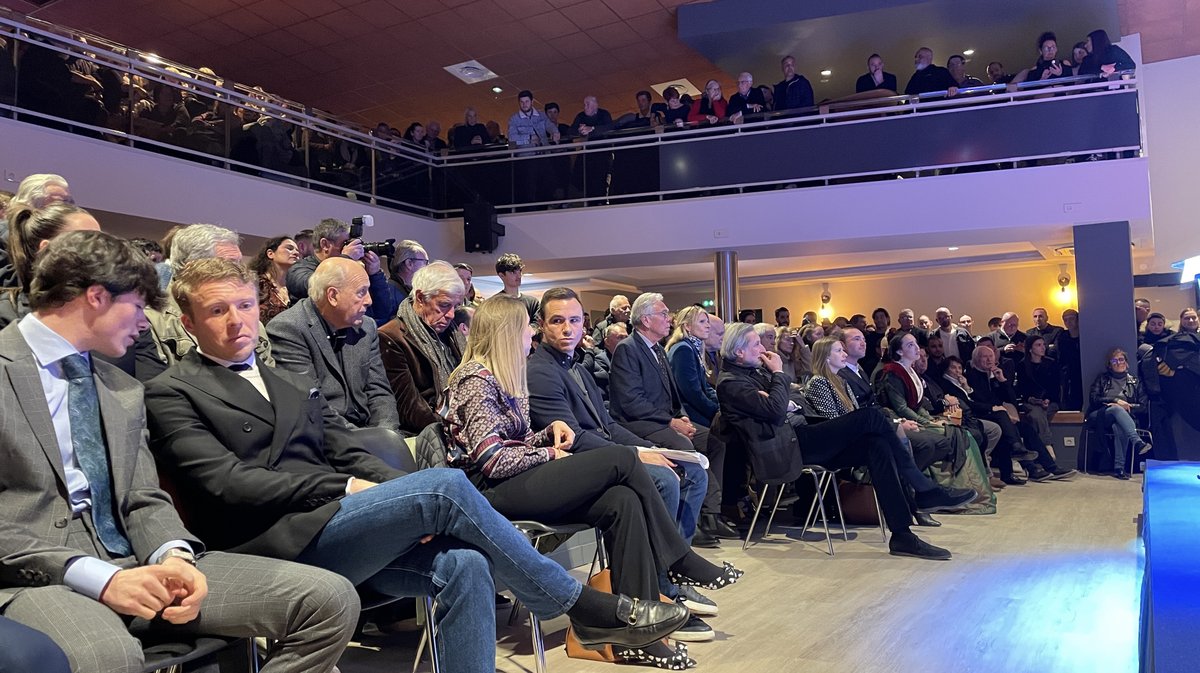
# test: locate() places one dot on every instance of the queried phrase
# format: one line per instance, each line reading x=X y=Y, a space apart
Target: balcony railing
x=84 y=84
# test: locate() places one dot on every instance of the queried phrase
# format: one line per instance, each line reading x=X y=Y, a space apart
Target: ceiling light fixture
x=952 y=248
x=497 y=89
x=968 y=52
x=826 y=73
x=470 y=72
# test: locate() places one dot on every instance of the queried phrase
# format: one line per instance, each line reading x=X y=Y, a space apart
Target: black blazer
x=555 y=396
x=859 y=387
x=256 y=476
x=867 y=83
x=638 y=395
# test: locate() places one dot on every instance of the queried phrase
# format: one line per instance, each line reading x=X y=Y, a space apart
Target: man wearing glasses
x=410 y=257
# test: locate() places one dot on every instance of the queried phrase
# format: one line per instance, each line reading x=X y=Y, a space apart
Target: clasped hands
x=174 y=588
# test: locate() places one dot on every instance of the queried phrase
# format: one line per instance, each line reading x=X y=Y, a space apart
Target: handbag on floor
x=601 y=581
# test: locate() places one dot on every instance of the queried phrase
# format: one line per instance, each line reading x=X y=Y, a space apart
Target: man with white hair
x=167 y=341
x=618 y=312
x=329 y=338
x=36 y=191
x=643 y=397
x=424 y=344
x=1010 y=324
x=748 y=99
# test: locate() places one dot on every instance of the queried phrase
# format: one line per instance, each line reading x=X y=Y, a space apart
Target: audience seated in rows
x=560 y=389
x=754 y=403
x=645 y=398
x=122 y=545
x=508 y=460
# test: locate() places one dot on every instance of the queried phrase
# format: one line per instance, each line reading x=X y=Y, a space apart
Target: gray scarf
x=445 y=357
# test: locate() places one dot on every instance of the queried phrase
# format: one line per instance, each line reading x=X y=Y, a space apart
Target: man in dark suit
x=561 y=390
x=643 y=398
x=269 y=469
x=88 y=540
x=329 y=339
x=600 y=363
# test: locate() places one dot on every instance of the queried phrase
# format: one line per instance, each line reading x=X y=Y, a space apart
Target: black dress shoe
x=924 y=519
x=1013 y=480
x=715 y=527
x=911 y=545
x=1122 y=475
x=644 y=622
x=942 y=499
x=704 y=540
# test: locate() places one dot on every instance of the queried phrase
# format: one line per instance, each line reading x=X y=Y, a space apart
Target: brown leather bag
x=601 y=581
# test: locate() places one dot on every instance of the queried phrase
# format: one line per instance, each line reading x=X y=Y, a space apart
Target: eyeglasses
x=1117 y=361
x=662 y=314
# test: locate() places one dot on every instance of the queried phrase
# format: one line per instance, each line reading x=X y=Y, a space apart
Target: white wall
x=1172 y=103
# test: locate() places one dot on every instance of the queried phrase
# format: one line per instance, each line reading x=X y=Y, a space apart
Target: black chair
x=200 y=652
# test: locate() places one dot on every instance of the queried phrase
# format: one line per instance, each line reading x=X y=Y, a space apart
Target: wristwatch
x=181 y=554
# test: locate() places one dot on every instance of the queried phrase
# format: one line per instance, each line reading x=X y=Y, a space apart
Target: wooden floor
x=1049 y=584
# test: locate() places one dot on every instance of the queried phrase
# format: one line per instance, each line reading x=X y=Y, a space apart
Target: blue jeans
x=1124 y=432
x=375 y=541
x=25 y=649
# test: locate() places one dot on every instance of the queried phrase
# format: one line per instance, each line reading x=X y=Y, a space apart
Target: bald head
x=340 y=288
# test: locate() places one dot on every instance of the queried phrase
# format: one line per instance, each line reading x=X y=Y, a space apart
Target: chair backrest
x=774 y=456
x=432 y=447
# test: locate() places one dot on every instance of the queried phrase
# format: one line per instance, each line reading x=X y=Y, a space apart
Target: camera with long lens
x=385 y=248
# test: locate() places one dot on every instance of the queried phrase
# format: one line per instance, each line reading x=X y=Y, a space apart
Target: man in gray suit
x=329 y=338
x=88 y=540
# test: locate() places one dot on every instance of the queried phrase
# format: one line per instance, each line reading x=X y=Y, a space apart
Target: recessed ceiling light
x=952 y=248
x=826 y=73
x=470 y=72
x=497 y=89
x=968 y=52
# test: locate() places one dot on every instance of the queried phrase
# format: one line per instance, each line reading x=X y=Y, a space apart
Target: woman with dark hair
x=1039 y=382
x=1116 y=398
x=528 y=474
x=1104 y=58
x=1078 y=53
x=271 y=265
x=415 y=134
x=1048 y=65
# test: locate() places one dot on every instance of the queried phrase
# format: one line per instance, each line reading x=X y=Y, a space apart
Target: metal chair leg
x=824 y=518
x=879 y=513
x=754 y=520
x=429 y=635
x=774 y=509
x=837 y=498
x=252 y=654
x=539 y=648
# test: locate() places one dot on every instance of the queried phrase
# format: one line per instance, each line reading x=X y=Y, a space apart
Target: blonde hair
x=495 y=341
x=187 y=281
x=683 y=320
x=820 y=365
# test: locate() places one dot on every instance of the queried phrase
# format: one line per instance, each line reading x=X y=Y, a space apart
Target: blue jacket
x=698 y=397
x=555 y=396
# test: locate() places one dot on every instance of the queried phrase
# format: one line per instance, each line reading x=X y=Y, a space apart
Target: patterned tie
x=88 y=440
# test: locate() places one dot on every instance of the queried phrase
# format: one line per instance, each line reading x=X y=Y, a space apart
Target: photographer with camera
x=335 y=238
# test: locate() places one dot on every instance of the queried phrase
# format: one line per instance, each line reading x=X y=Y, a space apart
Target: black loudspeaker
x=481 y=231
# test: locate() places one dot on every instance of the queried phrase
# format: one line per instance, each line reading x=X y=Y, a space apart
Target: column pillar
x=725 y=263
x=1104 y=273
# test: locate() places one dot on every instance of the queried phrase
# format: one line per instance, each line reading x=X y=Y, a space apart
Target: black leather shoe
x=715 y=527
x=644 y=622
x=911 y=545
x=704 y=540
x=1013 y=480
x=1122 y=475
x=924 y=519
x=942 y=499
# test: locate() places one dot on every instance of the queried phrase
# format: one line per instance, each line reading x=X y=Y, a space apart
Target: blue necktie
x=87 y=438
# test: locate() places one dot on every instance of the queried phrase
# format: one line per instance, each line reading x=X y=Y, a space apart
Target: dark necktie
x=665 y=372
x=87 y=439
x=240 y=367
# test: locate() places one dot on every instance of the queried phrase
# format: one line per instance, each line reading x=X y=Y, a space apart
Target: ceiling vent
x=471 y=72
x=1064 y=251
